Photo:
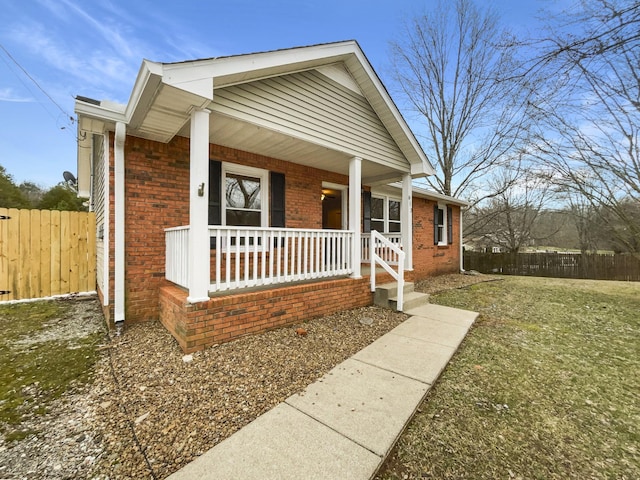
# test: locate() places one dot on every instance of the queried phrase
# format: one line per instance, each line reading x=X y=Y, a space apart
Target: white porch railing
x=385 y=254
x=177 y=255
x=380 y=247
x=250 y=257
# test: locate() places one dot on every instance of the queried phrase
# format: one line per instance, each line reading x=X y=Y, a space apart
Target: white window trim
x=263 y=175
x=443 y=242
x=385 y=211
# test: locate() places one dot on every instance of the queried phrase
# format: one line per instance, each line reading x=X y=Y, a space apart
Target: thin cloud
x=8 y=95
x=100 y=68
x=111 y=33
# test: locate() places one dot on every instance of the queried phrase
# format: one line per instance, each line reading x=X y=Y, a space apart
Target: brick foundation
x=225 y=318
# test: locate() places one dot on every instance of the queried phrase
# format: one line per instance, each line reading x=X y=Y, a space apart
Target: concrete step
x=389 y=290
x=411 y=300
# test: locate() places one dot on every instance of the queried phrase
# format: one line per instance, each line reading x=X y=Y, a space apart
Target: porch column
x=118 y=160
x=355 y=201
x=406 y=221
x=199 y=253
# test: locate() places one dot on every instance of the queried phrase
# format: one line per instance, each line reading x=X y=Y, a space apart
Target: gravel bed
x=151 y=410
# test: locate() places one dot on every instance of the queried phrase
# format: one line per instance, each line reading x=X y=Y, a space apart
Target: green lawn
x=546 y=385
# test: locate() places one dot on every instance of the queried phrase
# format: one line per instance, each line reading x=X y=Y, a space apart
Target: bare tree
x=512 y=214
x=590 y=116
x=455 y=67
x=582 y=213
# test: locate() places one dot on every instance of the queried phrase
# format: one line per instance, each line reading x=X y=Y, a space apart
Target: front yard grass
x=46 y=348
x=546 y=385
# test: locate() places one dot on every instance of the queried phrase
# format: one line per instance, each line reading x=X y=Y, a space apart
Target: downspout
x=106 y=229
x=118 y=155
x=91 y=174
x=461 y=247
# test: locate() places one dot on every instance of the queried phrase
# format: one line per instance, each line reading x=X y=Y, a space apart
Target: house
x=223 y=192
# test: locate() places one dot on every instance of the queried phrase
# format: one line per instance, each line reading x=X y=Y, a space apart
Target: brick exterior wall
x=157 y=197
x=228 y=317
x=429 y=259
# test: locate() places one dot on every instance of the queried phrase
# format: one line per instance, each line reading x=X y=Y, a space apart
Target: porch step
x=389 y=290
x=386 y=296
x=410 y=300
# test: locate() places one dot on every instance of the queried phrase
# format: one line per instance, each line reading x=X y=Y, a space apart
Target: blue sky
x=94 y=49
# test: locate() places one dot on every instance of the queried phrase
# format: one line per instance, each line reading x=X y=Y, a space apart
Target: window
x=439 y=239
x=385 y=214
x=377 y=214
x=242 y=195
x=245 y=196
x=394 y=216
x=442 y=225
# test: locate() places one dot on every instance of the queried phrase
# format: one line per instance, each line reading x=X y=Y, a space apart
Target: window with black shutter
x=237 y=196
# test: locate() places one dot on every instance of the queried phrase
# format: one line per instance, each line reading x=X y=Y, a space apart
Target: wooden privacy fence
x=559 y=265
x=46 y=252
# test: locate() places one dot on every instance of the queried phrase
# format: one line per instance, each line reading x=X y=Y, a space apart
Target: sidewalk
x=344 y=425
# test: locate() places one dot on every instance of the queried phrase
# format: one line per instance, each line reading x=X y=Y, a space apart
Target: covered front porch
x=220 y=172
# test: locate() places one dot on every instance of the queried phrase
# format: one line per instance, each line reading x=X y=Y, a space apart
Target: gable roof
x=164 y=93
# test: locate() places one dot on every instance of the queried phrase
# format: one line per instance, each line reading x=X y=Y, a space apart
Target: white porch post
x=118 y=158
x=199 y=253
x=355 y=201
x=406 y=221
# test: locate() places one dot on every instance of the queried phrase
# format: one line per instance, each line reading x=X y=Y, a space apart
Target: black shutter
x=215 y=195
x=277 y=199
x=449 y=225
x=435 y=224
x=366 y=212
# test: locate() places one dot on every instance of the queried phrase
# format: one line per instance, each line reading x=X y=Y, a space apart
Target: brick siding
x=225 y=318
x=430 y=259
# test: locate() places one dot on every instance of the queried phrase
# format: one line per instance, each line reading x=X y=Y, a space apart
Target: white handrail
x=395 y=238
x=383 y=251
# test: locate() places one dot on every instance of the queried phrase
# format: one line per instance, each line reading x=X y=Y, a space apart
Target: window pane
x=243 y=218
x=394 y=210
x=242 y=192
x=377 y=225
x=394 y=227
x=441 y=216
x=377 y=208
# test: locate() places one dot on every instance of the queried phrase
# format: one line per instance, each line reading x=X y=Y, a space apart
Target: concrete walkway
x=344 y=425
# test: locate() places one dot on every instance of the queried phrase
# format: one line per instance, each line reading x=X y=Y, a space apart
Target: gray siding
x=98 y=199
x=315 y=108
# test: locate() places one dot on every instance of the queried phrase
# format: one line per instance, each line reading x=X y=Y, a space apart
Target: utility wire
x=37 y=84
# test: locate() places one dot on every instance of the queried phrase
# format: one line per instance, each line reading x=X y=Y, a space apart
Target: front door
x=332 y=208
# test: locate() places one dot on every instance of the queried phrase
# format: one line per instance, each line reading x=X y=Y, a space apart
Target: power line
x=37 y=84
